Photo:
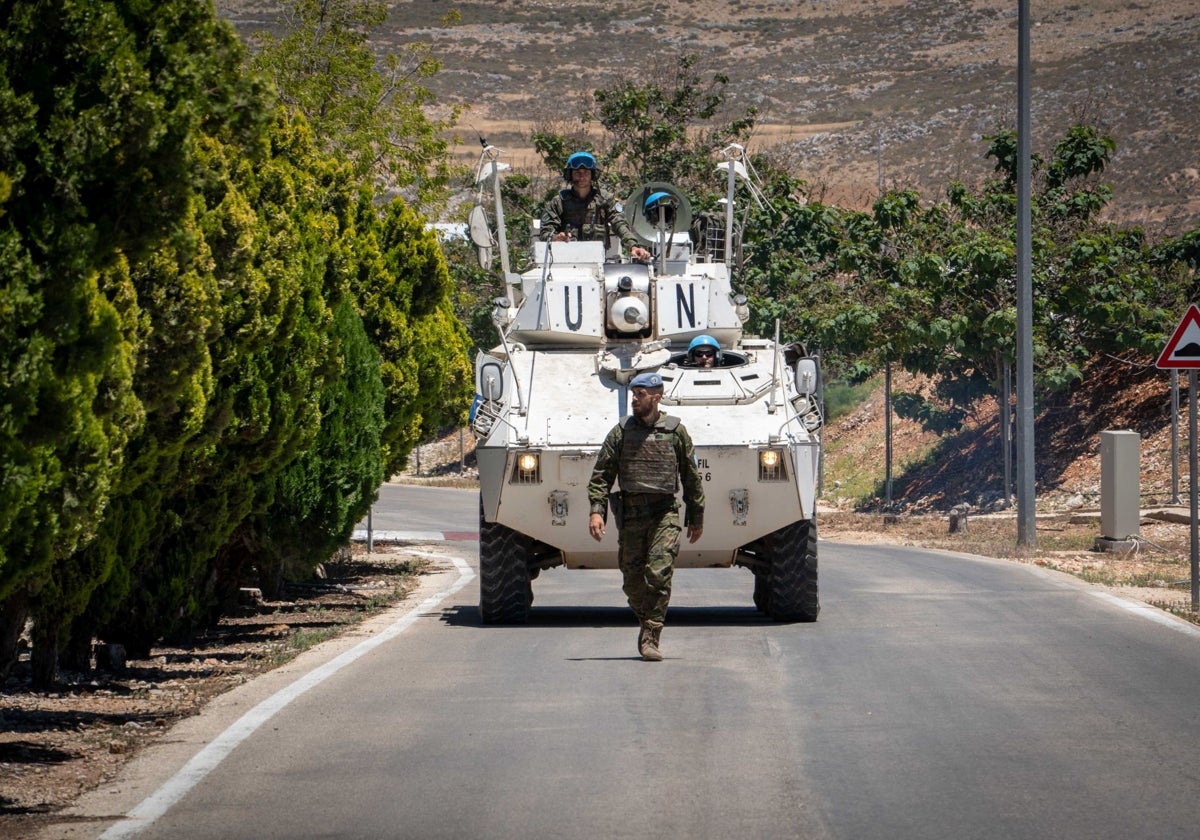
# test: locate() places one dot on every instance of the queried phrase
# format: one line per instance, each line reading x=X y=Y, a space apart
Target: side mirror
x=491 y=382
x=806 y=375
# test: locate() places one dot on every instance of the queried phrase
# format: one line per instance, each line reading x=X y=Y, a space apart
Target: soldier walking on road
x=652 y=455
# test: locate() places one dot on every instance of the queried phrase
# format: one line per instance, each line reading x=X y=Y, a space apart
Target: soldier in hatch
x=585 y=212
x=704 y=352
x=651 y=452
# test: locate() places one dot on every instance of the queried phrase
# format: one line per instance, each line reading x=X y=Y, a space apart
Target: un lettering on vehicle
x=682 y=305
x=571 y=304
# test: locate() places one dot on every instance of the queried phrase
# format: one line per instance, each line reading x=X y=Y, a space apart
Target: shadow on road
x=468 y=616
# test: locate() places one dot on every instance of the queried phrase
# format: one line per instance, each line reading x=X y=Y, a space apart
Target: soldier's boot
x=653 y=633
x=643 y=637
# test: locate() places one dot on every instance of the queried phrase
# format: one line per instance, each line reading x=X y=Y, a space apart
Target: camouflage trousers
x=647 y=547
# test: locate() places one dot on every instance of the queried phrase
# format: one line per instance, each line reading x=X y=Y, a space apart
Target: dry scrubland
x=842 y=85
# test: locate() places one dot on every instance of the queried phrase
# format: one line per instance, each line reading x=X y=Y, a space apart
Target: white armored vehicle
x=574 y=330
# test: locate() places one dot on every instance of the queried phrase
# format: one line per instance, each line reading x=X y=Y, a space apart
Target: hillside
x=932 y=475
x=847 y=89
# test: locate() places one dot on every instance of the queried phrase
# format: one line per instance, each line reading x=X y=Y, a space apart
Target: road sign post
x=1183 y=353
x=1192 y=483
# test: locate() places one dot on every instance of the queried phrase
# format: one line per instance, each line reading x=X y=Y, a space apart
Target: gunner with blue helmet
x=584 y=211
x=704 y=351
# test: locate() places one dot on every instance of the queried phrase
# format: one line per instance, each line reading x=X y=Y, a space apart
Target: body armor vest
x=582 y=217
x=648 y=463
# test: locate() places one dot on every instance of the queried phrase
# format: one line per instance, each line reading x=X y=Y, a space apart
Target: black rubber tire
x=793 y=594
x=505 y=587
x=762 y=592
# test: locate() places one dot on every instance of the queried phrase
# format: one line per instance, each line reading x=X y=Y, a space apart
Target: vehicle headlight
x=771 y=465
x=527 y=470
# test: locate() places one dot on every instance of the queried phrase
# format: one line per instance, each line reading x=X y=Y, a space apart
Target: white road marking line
x=1152 y=613
x=400 y=536
x=205 y=761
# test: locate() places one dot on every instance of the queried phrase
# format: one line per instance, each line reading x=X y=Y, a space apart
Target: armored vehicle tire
x=505 y=588
x=762 y=592
x=792 y=593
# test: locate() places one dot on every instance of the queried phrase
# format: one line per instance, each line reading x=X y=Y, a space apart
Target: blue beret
x=646 y=380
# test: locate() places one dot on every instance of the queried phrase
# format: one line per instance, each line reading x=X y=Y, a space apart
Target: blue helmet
x=662 y=196
x=581 y=160
x=704 y=341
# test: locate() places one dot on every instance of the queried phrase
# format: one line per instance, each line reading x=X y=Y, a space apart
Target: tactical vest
x=582 y=217
x=648 y=463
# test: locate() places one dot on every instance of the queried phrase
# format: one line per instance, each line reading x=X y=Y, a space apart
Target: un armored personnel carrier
x=574 y=329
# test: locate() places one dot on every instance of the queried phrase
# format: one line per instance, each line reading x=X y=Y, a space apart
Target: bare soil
x=849 y=93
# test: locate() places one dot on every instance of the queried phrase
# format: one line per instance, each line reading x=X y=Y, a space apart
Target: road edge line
x=212 y=754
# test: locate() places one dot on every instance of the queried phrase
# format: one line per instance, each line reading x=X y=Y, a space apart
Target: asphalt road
x=939 y=696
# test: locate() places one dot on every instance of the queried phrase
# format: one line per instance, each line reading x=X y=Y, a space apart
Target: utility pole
x=887 y=370
x=1026 y=511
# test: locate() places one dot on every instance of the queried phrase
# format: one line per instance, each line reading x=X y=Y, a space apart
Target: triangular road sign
x=1183 y=350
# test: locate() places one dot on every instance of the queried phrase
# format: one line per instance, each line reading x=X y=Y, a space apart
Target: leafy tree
x=100 y=102
x=932 y=285
x=372 y=113
x=405 y=302
x=320 y=497
x=801 y=273
x=662 y=124
x=375 y=115
x=266 y=226
x=178 y=294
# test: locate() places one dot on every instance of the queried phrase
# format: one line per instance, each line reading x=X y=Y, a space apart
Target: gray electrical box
x=1120 y=485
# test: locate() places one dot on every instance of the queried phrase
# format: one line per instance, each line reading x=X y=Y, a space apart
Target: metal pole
x=370 y=530
x=1192 y=487
x=820 y=404
x=730 y=184
x=887 y=368
x=1026 y=512
x=1174 y=436
x=887 y=435
x=1006 y=431
x=501 y=224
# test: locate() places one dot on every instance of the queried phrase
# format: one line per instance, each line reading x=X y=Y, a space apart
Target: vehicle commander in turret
x=652 y=455
x=585 y=212
x=704 y=352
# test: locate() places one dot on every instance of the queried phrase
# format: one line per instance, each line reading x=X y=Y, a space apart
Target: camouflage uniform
x=587 y=219
x=651 y=462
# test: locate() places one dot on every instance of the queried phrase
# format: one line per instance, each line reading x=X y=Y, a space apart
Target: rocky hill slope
x=932 y=474
x=849 y=91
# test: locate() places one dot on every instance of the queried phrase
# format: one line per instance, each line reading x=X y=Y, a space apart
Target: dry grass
x=843 y=87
